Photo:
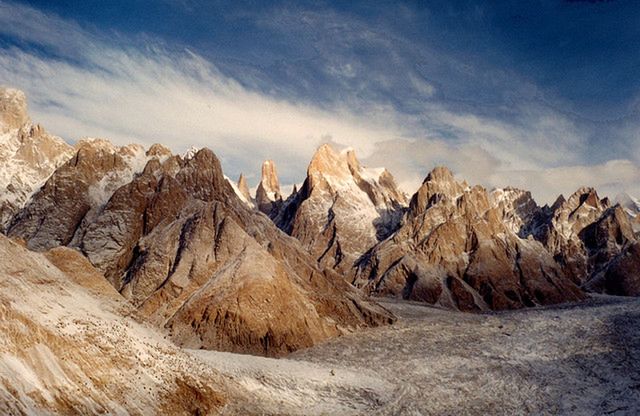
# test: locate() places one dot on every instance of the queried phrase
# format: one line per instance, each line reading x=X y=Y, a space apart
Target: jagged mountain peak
x=628 y=202
x=159 y=150
x=329 y=163
x=518 y=208
x=180 y=247
x=585 y=196
x=339 y=171
x=440 y=174
x=28 y=154
x=268 y=194
x=439 y=185
x=243 y=187
x=342 y=209
x=269 y=176
x=454 y=248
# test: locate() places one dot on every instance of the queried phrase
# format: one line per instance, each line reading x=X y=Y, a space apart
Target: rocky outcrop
x=621 y=276
x=632 y=207
x=243 y=187
x=28 y=154
x=342 y=209
x=268 y=196
x=13 y=109
x=454 y=250
x=517 y=209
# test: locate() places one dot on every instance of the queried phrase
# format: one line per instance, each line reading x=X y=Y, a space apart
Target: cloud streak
x=82 y=82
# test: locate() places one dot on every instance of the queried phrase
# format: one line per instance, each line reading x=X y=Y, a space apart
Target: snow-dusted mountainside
x=28 y=154
x=517 y=208
x=631 y=206
x=584 y=233
x=342 y=209
x=71 y=344
x=78 y=190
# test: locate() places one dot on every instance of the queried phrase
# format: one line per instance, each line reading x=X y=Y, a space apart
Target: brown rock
x=622 y=275
x=28 y=155
x=75 y=190
x=243 y=187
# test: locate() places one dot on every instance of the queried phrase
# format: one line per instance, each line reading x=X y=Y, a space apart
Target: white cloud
x=93 y=84
x=148 y=95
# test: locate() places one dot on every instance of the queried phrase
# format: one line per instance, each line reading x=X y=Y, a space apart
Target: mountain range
x=214 y=266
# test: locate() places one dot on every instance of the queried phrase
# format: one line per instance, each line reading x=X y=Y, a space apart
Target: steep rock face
x=13 y=109
x=179 y=244
x=243 y=187
x=268 y=196
x=454 y=250
x=609 y=245
x=342 y=209
x=28 y=154
x=76 y=191
x=622 y=275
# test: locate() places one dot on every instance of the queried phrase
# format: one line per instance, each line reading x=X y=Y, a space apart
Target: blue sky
x=540 y=95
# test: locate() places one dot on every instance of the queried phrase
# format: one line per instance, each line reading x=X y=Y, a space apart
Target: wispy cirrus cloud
x=356 y=83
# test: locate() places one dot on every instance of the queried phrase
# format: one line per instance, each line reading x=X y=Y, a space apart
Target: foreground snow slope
x=67 y=346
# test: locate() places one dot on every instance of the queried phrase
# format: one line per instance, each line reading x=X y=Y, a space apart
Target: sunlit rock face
x=342 y=209
x=268 y=196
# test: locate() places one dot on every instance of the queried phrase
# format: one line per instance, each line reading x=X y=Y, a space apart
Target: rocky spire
x=268 y=192
x=243 y=187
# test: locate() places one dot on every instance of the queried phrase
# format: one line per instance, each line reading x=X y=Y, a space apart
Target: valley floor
x=581 y=359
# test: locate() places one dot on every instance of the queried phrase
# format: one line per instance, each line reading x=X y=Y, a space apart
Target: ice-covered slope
x=579 y=359
x=28 y=154
x=241 y=189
